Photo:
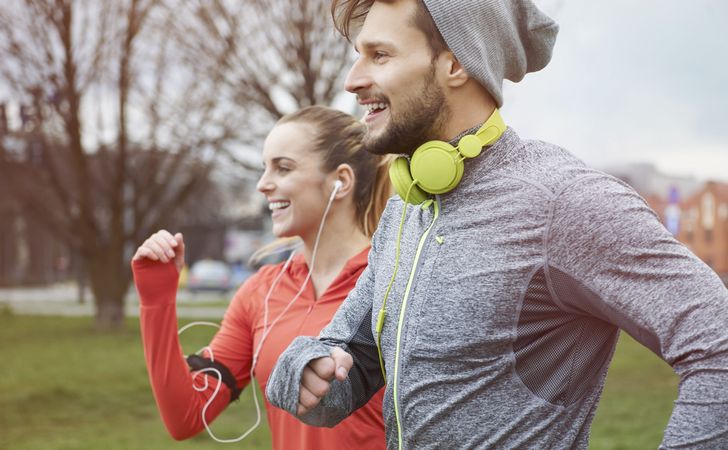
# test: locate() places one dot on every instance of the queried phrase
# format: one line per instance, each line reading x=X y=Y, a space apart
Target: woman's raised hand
x=162 y=246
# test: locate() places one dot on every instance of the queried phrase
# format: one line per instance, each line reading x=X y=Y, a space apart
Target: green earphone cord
x=380 y=316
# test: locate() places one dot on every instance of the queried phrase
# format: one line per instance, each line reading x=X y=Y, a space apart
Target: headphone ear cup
x=399 y=175
x=437 y=166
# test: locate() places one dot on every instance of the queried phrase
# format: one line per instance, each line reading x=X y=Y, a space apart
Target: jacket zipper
x=413 y=273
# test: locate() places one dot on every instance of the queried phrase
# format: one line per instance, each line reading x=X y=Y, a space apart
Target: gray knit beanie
x=495 y=39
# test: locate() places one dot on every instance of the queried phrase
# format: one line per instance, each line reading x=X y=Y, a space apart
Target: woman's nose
x=264 y=184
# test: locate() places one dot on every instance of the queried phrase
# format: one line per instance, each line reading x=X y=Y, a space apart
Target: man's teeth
x=374 y=106
x=277 y=205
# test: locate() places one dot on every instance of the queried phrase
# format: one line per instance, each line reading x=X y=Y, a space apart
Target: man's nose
x=357 y=78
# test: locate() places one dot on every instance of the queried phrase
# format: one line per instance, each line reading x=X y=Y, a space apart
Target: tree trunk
x=109 y=285
x=81 y=278
x=109 y=314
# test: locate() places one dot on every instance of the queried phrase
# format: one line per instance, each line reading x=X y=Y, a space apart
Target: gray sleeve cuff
x=282 y=389
x=282 y=386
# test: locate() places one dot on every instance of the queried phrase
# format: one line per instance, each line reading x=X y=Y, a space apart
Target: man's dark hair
x=349 y=15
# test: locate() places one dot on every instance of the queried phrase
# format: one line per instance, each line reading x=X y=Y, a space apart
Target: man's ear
x=456 y=74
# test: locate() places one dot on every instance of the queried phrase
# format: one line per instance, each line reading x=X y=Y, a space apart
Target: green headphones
x=436 y=167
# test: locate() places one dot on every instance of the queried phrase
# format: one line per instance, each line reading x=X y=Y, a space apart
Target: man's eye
x=378 y=56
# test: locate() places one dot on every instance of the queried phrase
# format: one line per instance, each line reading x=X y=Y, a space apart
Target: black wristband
x=197 y=362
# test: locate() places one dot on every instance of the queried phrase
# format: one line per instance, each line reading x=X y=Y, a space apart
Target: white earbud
x=337 y=185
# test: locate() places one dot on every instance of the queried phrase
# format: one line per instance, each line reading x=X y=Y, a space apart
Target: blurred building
x=646 y=179
x=695 y=212
x=699 y=221
x=704 y=225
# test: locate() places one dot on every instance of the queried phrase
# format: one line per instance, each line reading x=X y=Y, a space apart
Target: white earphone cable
x=266 y=331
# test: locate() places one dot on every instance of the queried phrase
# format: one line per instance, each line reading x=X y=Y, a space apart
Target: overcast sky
x=633 y=81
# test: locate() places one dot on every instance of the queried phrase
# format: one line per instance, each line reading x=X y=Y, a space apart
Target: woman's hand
x=162 y=246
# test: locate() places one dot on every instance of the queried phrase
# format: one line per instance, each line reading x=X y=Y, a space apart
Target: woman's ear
x=344 y=174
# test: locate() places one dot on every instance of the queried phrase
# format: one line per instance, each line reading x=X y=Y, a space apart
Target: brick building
x=704 y=225
x=700 y=221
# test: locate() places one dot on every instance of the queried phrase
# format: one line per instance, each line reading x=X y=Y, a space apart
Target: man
x=503 y=297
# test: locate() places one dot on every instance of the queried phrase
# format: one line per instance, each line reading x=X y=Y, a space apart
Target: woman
x=316 y=173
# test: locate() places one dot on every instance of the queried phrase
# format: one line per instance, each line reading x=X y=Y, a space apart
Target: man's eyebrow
x=372 y=44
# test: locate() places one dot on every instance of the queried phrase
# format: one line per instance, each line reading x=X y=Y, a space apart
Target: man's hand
x=162 y=246
x=318 y=375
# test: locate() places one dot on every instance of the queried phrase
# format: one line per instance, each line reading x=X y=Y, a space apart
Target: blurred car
x=209 y=275
x=239 y=273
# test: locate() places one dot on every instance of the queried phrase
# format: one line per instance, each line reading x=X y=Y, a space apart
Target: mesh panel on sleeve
x=365 y=376
x=560 y=355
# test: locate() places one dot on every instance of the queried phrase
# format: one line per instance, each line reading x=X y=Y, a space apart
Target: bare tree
x=272 y=56
x=132 y=103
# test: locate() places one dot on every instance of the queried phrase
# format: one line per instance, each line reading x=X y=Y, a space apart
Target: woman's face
x=293 y=182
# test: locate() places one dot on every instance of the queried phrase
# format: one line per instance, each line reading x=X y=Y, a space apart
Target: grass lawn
x=66 y=386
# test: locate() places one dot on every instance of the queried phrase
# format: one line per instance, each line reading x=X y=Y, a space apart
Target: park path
x=62 y=300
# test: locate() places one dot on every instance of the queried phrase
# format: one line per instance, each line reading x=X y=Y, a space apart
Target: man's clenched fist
x=318 y=375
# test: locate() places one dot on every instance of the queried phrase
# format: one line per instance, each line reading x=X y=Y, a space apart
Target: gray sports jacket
x=506 y=308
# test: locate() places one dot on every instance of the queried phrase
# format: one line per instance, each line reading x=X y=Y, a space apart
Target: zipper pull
x=380 y=321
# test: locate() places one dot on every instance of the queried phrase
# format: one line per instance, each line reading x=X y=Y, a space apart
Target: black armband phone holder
x=197 y=362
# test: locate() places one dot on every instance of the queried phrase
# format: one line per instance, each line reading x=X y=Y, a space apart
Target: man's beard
x=420 y=119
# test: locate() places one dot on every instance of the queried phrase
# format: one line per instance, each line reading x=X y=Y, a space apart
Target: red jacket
x=180 y=405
